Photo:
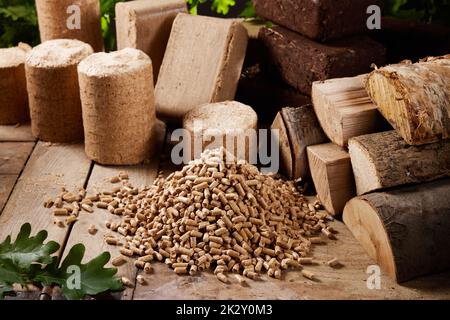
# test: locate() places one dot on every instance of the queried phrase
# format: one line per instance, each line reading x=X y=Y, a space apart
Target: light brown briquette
x=202 y=64
x=146 y=25
x=117 y=96
x=232 y=124
x=53 y=89
x=13 y=85
x=54 y=16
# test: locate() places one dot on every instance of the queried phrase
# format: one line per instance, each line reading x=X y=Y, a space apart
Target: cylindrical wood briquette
x=228 y=124
x=69 y=19
x=53 y=91
x=13 y=85
x=118 y=102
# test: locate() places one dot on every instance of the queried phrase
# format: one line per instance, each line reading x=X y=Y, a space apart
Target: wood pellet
x=227 y=218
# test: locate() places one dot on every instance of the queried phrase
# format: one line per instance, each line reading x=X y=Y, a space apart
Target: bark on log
x=383 y=160
x=299 y=129
x=414 y=98
x=405 y=230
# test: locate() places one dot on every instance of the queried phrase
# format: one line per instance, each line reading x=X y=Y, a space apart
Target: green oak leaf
x=27 y=250
x=78 y=280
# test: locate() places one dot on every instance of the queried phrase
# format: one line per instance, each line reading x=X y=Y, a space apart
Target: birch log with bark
x=414 y=98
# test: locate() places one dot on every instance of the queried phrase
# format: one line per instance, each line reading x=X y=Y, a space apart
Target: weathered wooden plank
x=13 y=156
x=6 y=185
x=348 y=282
x=49 y=168
x=16 y=133
x=139 y=175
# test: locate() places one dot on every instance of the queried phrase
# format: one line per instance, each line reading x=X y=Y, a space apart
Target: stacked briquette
x=318 y=40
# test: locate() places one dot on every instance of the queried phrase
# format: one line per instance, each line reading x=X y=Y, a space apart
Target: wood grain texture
x=48 y=169
x=140 y=175
x=344 y=109
x=332 y=174
x=16 y=133
x=13 y=156
x=348 y=282
x=415 y=98
x=383 y=160
x=406 y=230
x=6 y=185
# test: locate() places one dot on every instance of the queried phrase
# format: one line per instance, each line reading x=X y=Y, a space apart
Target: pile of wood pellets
x=214 y=215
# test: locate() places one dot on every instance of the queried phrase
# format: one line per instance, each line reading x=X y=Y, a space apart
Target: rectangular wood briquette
x=319 y=20
x=202 y=64
x=296 y=58
x=146 y=25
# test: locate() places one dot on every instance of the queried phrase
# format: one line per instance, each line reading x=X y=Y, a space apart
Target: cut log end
x=405 y=229
x=345 y=110
x=332 y=175
x=384 y=92
x=364 y=170
x=414 y=98
x=366 y=226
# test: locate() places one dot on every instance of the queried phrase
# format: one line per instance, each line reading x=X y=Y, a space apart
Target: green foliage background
x=18 y=21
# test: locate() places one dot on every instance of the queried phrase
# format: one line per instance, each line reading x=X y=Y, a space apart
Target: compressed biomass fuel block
x=53 y=91
x=230 y=122
x=202 y=64
x=332 y=174
x=300 y=61
x=383 y=160
x=13 y=85
x=299 y=129
x=318 y=20
x=118 y=106
x=146 y=25
x=405 y=230
x=345 y=110
x=415 y=98
x=69 y=19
